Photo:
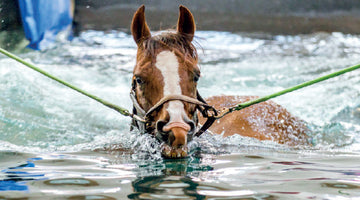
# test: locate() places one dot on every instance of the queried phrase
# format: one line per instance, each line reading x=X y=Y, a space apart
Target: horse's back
x=264 y=121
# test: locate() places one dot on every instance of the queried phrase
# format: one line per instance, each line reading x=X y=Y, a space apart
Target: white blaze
x=168 y=64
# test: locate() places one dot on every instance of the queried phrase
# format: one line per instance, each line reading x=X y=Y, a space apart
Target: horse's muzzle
x=175 y=137
x=170 y=152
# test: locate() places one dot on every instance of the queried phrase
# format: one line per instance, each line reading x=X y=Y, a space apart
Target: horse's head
x=164 y=82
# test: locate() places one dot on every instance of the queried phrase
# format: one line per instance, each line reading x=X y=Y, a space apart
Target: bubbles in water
x=332 y=135
x=146 y=147
x=36 y=112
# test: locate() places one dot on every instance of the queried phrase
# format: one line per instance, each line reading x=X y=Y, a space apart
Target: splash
x=37 y=114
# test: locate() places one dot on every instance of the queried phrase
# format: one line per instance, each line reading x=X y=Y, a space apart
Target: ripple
x=340 y=185
x=86 y=151
x=72 y=181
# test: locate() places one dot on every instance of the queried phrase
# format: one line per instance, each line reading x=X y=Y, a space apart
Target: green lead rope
x=222 y=113
x=291 y=89
x=121 y=110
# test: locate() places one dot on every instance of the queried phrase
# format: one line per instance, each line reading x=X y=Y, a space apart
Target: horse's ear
x=186 y=23
x=139 y=28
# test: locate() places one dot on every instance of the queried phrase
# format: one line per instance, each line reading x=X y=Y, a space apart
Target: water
x=58 y=144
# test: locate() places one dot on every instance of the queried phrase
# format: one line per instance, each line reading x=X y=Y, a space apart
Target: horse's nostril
x=192 y=126
x=160 y=125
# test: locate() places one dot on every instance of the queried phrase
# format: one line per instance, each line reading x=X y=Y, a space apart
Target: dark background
x=268 y=16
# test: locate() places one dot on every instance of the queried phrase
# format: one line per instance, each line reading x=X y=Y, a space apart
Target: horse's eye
x=139 y=80
x=196 y=78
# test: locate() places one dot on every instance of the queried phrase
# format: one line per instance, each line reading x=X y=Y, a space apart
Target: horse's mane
x=173 y=41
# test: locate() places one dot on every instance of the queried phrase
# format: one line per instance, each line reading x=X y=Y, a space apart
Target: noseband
x=146 y=123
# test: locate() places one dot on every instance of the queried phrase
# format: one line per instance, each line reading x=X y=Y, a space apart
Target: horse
x=164 y=91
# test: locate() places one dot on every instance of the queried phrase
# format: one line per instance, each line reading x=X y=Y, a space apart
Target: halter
x=146 y=124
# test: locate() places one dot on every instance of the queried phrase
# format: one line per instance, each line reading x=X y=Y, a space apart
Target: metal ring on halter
x=209 y=121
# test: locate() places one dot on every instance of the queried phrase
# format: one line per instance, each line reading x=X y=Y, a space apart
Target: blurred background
x=58 y=144
x=256 y=16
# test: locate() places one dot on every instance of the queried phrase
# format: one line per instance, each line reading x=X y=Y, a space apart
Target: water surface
x=56 y=143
